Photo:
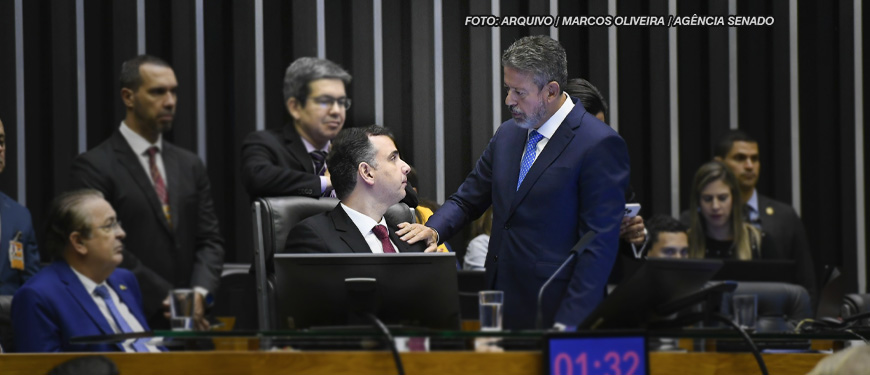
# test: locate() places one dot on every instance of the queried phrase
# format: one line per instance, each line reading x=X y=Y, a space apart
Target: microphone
x=582 y=244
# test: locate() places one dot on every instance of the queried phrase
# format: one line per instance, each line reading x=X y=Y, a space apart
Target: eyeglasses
x=326 y=102
x=111 y=227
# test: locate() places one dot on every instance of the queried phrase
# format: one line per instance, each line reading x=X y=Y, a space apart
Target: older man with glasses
x=82 y=293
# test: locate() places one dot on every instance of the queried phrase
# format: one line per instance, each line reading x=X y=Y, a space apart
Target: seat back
x=854 y=304
x=779 y=304
x=274 y=217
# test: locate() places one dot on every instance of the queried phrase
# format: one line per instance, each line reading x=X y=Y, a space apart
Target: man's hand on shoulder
x=413 y=233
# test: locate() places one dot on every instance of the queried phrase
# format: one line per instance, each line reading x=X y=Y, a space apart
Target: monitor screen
x=655 y=283
x=410 y=289
x=773 y=270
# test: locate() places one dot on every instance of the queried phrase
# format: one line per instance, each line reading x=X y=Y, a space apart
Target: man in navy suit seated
x=369 y=176
x=82 y=293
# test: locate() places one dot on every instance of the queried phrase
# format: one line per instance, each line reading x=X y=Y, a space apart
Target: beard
x=530 y=120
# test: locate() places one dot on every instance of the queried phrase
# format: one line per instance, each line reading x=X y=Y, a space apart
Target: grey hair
x=66 y=216
x=540 y=55
x=307 y=69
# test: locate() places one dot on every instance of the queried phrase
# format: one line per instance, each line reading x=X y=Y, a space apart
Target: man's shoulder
x=45 y=281
x=180 y=152
x=101 y=152
x=12 y=206
x=773 y=207
x=124 y=275
x=266 y=136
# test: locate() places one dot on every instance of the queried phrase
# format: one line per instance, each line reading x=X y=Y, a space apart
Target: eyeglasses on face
x=326 y=102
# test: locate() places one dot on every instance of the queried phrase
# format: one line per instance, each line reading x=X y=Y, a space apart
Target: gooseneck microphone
x=582 y=244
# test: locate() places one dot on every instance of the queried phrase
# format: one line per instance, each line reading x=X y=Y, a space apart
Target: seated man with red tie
x=369 y=176
x=82 y=293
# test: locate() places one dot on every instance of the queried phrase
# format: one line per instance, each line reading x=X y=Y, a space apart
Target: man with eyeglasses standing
x=160 y=191
x=292 y=160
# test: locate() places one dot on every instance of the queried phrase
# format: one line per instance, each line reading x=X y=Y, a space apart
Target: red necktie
x=381 y=234
x=159 y=185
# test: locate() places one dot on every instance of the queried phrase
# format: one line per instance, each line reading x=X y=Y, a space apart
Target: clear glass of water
x=491 y=302
x=181 y=309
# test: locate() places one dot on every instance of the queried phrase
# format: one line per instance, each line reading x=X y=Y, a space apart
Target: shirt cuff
x=207 y=297
x=323 y=184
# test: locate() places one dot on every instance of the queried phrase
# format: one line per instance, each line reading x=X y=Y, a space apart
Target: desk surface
x=365 y=363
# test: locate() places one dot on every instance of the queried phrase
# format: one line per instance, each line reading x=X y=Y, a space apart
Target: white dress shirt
x=365 y=225
x=549 y=127
x=131 y=320
x=140 y=147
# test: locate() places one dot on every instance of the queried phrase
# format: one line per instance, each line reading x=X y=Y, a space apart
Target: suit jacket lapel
x=293 y=144
x=348 y=231
x=126 y=296
x=173 y=180
x=130 y=161
x=561 y=138
x=75 y=288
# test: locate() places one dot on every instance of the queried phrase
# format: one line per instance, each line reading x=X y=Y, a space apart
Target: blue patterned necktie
x=529 y=155
x=122 y=324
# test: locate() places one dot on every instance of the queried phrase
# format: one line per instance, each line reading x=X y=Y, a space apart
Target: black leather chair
x=780 y=305
x=273 y=219
x=854 y=304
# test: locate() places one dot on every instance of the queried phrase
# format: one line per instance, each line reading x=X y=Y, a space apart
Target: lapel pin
x=123 y=287
x=769 y=210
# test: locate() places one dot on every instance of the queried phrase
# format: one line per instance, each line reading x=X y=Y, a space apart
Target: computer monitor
x=772 y=270
x=411 y=289
x=657 y=282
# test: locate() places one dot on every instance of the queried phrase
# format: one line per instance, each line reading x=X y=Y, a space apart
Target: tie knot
x=153 y=150
x=318 y=156
x=535 y=137
x=102 y=291
x=380 y=232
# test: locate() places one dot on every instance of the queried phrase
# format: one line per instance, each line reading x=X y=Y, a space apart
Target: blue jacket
x=54 y=307
x=13 y=218
x=576 y=185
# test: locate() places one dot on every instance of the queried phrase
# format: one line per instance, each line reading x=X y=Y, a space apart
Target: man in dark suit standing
x=369 y=176
x=82 y=293
x=292 y=160
x=552 y=173
x=160 y=191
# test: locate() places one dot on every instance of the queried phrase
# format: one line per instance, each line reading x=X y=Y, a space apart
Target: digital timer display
x=597 y=355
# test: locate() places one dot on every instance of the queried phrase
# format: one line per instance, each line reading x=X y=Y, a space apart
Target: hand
x=631 y=230
x=200 y=323
x=412 y=233
x=166 y=313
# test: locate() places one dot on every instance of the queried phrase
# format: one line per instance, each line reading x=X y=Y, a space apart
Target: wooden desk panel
x=379 y=363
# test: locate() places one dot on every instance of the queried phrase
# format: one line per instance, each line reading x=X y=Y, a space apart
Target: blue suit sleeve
x=602 y=187
x=34 y=323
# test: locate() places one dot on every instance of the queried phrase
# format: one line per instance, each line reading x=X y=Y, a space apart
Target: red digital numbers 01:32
x=611 y=364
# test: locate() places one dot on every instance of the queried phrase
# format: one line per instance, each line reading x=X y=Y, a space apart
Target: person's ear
x=553 y=90
x=294 y=108
x=366 y=173
x=78 y=243
x=127 y=97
